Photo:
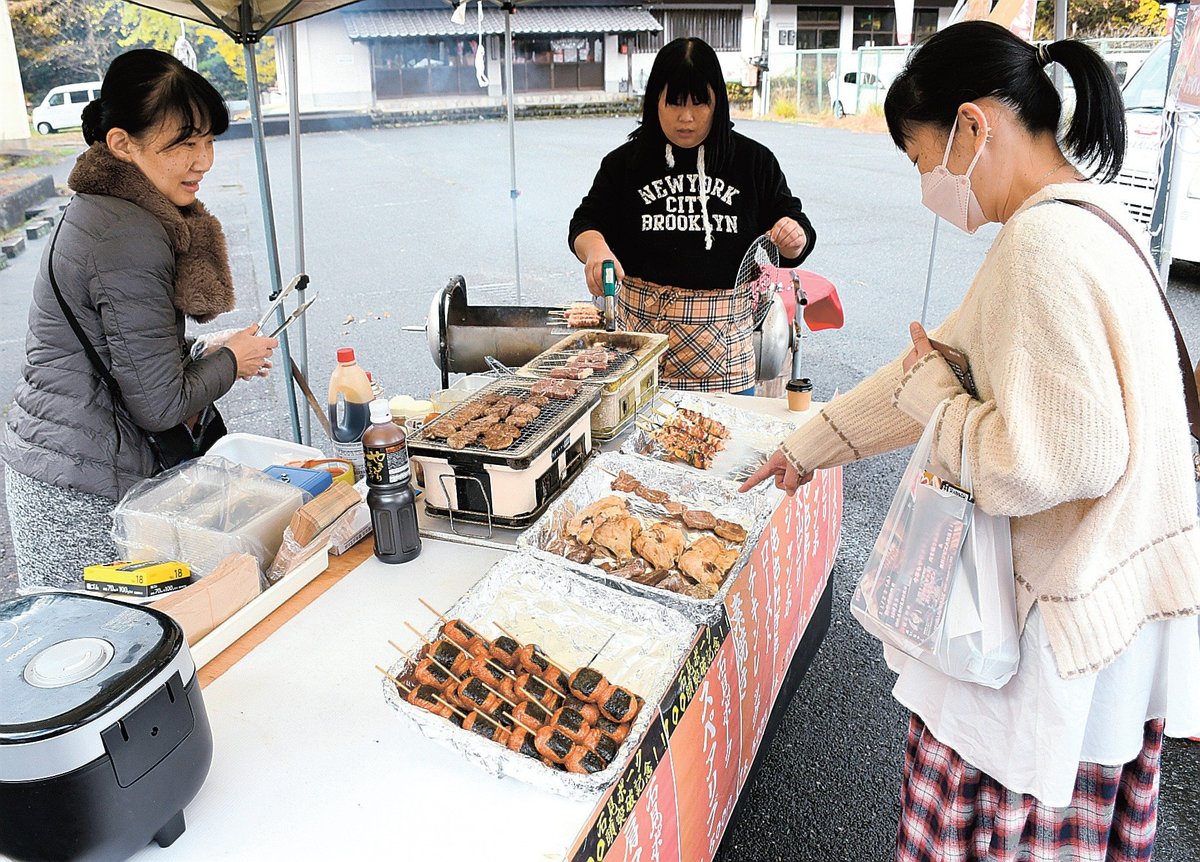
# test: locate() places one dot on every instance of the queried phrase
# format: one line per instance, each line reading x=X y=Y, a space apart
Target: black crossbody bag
x=169 y=448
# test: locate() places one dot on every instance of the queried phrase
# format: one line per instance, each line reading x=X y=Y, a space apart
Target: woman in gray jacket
x=134 y=255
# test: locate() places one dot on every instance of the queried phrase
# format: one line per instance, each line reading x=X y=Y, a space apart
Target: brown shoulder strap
x=1185 y=363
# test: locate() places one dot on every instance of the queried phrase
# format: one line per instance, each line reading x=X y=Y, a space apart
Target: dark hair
x=686 y=67
x=980 y=59
x=144 y=88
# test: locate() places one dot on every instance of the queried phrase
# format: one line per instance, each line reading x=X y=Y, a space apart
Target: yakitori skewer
x=489 y=666
x=413 y=695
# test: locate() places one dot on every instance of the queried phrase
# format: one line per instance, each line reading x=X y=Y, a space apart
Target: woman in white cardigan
x=1077 y=432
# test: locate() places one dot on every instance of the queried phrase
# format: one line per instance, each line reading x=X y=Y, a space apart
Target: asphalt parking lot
x=392 y=214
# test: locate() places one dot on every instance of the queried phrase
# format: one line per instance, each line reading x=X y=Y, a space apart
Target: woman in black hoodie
x=675 y=208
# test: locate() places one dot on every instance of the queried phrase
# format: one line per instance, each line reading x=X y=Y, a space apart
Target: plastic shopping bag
x=939 y=584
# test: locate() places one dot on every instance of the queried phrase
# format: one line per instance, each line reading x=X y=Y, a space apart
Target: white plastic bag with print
x=939 y=584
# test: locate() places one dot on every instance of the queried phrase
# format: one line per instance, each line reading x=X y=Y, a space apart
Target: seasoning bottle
x=376 y=387
x=349 y=408
x=389 y=496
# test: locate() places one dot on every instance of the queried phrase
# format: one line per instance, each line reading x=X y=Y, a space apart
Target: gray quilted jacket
x=116 y=269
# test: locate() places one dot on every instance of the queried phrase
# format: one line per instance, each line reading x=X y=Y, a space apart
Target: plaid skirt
x=952 y=812
x=710 y=333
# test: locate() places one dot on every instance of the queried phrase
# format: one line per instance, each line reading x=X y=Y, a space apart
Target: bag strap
x=1190 y=397
x=110 y=382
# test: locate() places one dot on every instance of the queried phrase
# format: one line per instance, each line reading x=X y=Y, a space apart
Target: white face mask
x=949 y=195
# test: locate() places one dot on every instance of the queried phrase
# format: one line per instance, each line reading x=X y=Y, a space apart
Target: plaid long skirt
x=952 y=812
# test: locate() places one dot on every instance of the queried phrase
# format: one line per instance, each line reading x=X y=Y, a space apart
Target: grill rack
x=554 y=418
x=621 y=364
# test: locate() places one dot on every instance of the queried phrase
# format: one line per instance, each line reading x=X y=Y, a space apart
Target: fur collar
x=203 y=283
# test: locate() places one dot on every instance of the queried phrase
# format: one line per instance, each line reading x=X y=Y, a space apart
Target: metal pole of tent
x=1160 y=216
x=1060 y=33
x=509 y=9
x=293 y=49
x=264 y=190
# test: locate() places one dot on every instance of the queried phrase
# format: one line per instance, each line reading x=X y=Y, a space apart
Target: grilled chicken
x=661 y=544
x=616 y=535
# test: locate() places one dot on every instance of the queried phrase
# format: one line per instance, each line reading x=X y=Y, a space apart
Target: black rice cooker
x=103 y=734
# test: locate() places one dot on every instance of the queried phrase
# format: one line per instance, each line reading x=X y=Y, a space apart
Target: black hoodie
x=652 y=215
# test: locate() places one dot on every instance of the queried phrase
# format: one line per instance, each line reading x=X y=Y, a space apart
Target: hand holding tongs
x=299 y=282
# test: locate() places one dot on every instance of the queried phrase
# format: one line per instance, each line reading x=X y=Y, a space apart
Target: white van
x=1145 y=94
x=63 y=106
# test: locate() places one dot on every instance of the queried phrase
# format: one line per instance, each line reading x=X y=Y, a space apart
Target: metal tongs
x=300 y=282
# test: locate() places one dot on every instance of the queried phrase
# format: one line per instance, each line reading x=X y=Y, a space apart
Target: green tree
x=1110 y=18
x=60 y=41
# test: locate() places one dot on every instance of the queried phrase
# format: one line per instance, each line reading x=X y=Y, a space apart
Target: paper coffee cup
x=799 y=394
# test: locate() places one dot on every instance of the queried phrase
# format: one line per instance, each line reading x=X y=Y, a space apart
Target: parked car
x=63 y=106
x=850 y=95
x=1145 y=95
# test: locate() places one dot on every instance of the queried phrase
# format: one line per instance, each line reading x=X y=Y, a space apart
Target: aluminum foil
x=754 y=437
x=641 y=646
x=693 y=488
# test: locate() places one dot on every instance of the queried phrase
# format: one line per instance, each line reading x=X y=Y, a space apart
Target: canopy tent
x=246 y=22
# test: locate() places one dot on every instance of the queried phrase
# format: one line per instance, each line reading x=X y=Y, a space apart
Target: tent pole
x=509 y=9
x=264 y=190
x=293 y=50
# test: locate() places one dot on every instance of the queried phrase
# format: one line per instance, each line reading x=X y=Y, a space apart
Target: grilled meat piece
x=587 y=683
x=616 y=535
x=700 y=561
x=699 y=591
x=625 y=482
x=651 y=495
x=517 y=421
x=553 y=744
x=619 y=704
x=602 y=744
x=579 y=553
x=673 y=507
x=527 y=410
x=538 y=401
x=632 y=570
x=568 y=373
x=660 y=545
x=583 y=525
x=461 y=439
x=730 y=531
x=497 y=438
x=698 y=519
x=520 y=740
x=571 y=723
x=583 y=760
x=615 y=729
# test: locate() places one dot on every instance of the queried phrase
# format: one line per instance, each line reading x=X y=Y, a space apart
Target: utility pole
x=14 y=119
x=762 y=11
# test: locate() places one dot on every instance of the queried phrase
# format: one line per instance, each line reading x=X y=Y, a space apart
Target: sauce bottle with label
x=389 y=496
x=349 y=408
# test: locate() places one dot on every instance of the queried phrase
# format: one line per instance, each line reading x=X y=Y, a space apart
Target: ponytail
x=1096 y=134
x=979 y=59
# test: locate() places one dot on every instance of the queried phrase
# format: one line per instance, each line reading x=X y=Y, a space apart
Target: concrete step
x=12 y=246
x=38 y=228
x=51 y=207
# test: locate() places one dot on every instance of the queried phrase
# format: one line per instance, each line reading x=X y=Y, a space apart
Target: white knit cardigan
x=1079 y=433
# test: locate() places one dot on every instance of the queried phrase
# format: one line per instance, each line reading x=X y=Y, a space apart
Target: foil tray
x=754 y=437
x=571 y=618
x=694 y=489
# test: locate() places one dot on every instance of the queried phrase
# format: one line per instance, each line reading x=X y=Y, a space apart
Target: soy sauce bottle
x=389 y=496
x=349 y=396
